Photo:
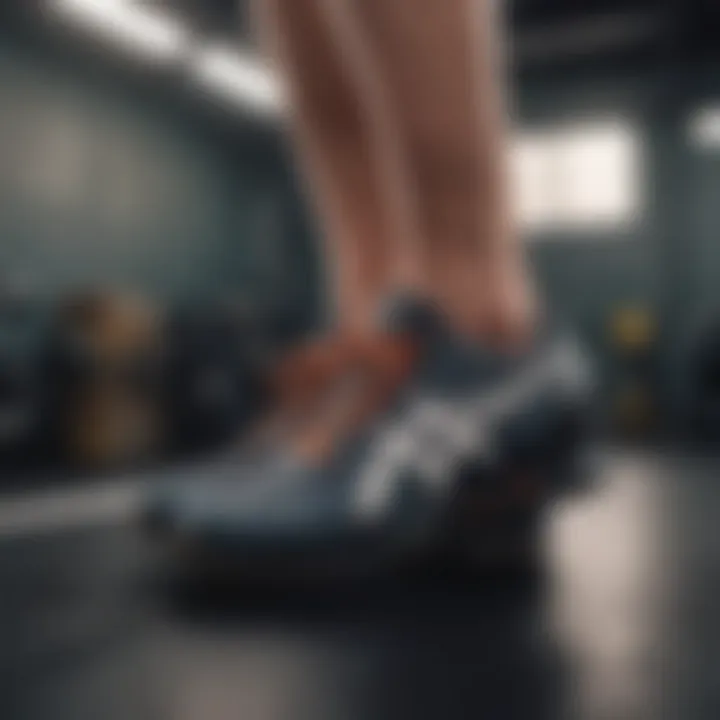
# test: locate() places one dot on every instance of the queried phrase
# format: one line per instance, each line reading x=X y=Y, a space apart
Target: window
x=582 y=177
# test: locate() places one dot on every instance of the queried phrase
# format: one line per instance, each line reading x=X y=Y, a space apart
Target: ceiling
x=548 y=30
x=543 y=31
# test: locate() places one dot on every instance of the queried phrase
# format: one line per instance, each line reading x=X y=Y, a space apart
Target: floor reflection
x=625 y=626
x=612 y=591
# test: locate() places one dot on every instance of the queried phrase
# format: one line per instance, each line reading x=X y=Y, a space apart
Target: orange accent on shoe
x=358 y=395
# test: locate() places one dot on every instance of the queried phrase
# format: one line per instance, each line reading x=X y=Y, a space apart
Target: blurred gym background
x=143 y=162
x=156 y=254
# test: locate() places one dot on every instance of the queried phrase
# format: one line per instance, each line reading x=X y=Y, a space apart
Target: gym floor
x=624 y=626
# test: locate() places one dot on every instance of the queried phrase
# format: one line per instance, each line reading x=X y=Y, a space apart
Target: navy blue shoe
x=467 y=430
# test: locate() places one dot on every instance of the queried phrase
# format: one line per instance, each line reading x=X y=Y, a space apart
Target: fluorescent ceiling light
x=149 y=31
x=704 y=128
x=240 y=78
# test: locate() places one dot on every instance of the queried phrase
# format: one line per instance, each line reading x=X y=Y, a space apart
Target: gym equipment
x=471 y=434
x=214 y=374
x=633 y=329
x=633 y=334
x=104 y=369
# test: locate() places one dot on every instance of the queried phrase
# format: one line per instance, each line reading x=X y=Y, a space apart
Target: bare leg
x=441 y=66
x=354 y=176
x=346 y=159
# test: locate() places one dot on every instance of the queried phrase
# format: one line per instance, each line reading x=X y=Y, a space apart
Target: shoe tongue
x=411 y=315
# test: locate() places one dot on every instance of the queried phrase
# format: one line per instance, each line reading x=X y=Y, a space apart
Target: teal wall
x=93 y=188
x=105 y=182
